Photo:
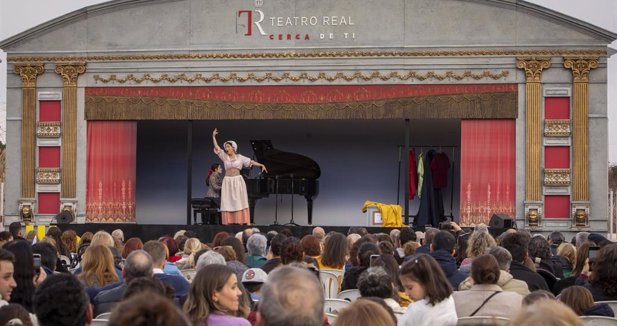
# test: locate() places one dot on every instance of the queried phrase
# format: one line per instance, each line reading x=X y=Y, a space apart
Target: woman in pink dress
x=234 y=198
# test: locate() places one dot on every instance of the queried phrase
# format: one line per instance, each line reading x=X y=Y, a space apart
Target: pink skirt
x=234 y=201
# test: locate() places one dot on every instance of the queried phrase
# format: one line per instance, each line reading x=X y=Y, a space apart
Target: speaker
x=65 y=217
x=501 y=221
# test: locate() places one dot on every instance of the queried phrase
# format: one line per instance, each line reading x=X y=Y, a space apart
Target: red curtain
x=111 y=160
x=488 y=169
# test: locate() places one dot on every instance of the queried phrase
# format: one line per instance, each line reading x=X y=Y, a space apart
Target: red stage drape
x=111 y=160
x=488 y=169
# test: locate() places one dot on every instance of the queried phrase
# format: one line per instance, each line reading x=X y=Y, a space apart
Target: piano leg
x=309 y=205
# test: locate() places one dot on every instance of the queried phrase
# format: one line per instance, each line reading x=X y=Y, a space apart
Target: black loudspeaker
x=65 y=217
x=501 y=221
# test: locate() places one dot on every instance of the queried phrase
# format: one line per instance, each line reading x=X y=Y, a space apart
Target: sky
x=602 y=13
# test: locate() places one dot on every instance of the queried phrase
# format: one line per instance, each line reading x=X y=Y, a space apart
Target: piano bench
x=208 y=216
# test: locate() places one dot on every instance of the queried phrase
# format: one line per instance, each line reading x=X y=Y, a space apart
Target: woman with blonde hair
x=98 y=268
x=478 y=242
x=566 y=252
x=102 y=238
x=364 y=313
x=581 y=301
x=547 y=312
x=191 y=246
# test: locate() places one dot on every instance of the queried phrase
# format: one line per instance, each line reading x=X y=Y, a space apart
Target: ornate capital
x=29 y=73
x=580 y=67
x=557 y=177
x=557 y=128
x=533 y=67
x=70 y=72
x=48 y=176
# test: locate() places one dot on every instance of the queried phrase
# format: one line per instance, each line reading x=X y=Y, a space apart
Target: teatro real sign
x=276 y=27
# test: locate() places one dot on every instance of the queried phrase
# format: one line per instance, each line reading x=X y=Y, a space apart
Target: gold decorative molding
x=48 y=129
x=70 y=72
x=28 y=73
x=469 y=106
x=557 y=128
x=557 y=177
x=581 y=66
x=48 y=176
x=304 y=76
x=533 y=67
x=311 y=54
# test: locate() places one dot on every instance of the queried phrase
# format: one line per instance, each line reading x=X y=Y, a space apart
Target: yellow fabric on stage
x=40 y=231
x=29 y=227
x=391 y=214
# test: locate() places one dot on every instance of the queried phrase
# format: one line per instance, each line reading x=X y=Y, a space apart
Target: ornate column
x=28 y=74
x=533 y=67
x=581 y=66
x=69 y=72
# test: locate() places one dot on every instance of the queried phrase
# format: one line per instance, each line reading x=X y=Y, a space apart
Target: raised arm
x=217 y=148
x=261 y=166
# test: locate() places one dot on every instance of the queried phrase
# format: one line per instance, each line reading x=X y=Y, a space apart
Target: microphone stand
x=291 y=222
x=276 y=200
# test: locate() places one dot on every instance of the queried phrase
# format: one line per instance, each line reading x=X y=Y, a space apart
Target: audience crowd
x=405 y=278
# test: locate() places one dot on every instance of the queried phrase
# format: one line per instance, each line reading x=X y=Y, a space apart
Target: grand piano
x=288 y=173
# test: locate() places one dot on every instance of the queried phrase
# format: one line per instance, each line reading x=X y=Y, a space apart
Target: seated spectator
x=429 y=234
x=158 y=251
x=350 y=278
x=555 y=239
x=252 y=280
x=603 y=280
x=506 y=281
x=517 y=244
x=581 y=301
x=566 y=253
x=5 y=237
x=7 y=281
x=137 y=264
x=311 y=246
x=291 y=251
x=442 y=250
x=102 y=238
x=426 y=283
x=582 y=254
x=580 y=238
x=49 y=256
x=230 y=260
x=547 y=313
x=131 y=245
x=280 y=303
x=539 y=249
x=16 y=231
x=536 y=296
x=142 y=284
x=485 y=297
x=214 y=297
x=479 y=241
x=172 y=249
x=218 y=238
x=118 y=235
x=148 y=309
x=364 y=313
x=319 y=233
x=237 y=247
x=14 y=314
x=276 y=247
x=62 y=293
x=334 y=254
x=98 y=268
x=256 y=247
x=210 y=257
x=375 y=282
x=24 y=274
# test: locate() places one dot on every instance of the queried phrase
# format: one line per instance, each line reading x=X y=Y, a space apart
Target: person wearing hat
x=234 y=197
x=253 y=279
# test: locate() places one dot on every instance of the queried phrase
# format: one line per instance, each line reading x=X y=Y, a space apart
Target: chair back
x=333 y=306
x=104 y=315
x=599 y=321
x=612 y=304
x=399 y=315
x=331 y=318
x=349 y=295
x=483 y=320
x=331 y=281
x=99 y=322
x=189 y=274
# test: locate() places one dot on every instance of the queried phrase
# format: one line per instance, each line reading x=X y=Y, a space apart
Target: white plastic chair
x=349 y=295
x=104 y=315
x=331 y=318
x=333 y=306
x=612 y=304
x=331 y=282
x=398 y=315
x=99 y=322
x=599 y=321
x=483 y=320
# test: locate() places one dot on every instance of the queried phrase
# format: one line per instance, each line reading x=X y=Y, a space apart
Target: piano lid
x=284 y=164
